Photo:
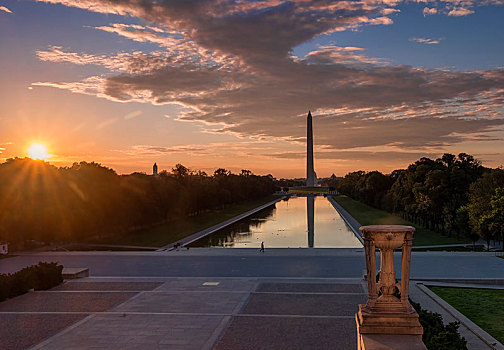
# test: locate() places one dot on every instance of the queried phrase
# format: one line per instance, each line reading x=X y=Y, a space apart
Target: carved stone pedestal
x=387 y=312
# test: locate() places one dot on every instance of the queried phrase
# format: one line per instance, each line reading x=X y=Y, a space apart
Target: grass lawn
x=367 y=215
x=482 y=306
x=173 y=231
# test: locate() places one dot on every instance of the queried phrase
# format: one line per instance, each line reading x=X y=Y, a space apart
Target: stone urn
x=387 y=310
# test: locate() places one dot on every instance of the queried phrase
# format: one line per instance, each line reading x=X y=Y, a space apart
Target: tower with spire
x=310 y=173
x=154 y=169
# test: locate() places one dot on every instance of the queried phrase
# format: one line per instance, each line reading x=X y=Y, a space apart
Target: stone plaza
x=221 y=298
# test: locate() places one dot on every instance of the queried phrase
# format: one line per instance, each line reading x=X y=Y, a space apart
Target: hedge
x=437 y=335
x=38 y=277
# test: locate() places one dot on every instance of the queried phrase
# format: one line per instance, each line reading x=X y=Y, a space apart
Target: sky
x=228 y=83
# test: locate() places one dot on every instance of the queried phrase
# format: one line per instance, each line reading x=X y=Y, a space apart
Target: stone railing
x=387 y=320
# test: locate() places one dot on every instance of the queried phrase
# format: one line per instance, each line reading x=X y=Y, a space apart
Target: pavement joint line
x=308 y=293
x=48 y=313
x=156 y=289
x=476 y=281
x=297 y=316
x=171 y=291
x=112 y=313
x=127 y=301
x=90 y=291
x=241 y=305
x=464 y=285
x=260 y=278
x=470 y=325
x=48 y=341
x=195 y=291
x=216 y=334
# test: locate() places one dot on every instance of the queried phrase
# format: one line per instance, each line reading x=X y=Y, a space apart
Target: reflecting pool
x=298 y=222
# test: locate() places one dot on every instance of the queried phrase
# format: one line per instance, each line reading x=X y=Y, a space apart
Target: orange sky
x=127 y=86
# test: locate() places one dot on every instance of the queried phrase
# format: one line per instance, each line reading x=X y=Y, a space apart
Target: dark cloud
x=230 y=62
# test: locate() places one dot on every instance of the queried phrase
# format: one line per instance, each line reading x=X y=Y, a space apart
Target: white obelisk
x=310 y=173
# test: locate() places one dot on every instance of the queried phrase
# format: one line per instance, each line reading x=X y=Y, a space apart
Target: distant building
x=271 y=177
x=154 y=170
x=4 y=248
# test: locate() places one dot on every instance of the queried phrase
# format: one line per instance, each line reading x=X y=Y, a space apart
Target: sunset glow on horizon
x=228 y=84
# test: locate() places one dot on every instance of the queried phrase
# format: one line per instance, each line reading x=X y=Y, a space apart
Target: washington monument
x=310 y=173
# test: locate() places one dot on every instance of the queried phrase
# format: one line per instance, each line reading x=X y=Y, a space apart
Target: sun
x=38 y=151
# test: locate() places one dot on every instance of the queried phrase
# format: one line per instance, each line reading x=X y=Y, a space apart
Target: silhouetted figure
x=262 y=247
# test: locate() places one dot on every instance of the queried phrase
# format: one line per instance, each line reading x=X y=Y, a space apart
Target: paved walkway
x=186 y=313
x=171 y=300
x=293 y=263
x=117 y=313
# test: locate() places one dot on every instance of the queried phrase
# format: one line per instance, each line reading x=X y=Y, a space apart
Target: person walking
x=262 y=247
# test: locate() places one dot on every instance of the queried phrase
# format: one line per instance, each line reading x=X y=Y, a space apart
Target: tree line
x=41 y=202
x=452 y=195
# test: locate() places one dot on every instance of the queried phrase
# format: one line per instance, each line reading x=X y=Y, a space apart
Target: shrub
x=39 y=277
x=48 y=275
x=437 y=335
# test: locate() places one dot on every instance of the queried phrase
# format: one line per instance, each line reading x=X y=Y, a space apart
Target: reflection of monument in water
x=310 y=212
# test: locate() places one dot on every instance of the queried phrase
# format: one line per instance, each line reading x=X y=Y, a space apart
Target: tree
x=87 y=201
x=180 y=171
x=496 y=215
x=485 y=203
x=221 y=172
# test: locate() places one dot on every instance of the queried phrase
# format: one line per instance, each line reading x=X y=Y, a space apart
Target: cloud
x=107 y=122
x=132 y=115
x=427 y=41
x=456 y=7
x=225 y=148
x=429 y=11
x=458 y=12
x=5 y=9
x=230 y=65
x=330 y=54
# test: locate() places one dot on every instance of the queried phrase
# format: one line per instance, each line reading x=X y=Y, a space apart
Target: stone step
x=70 y=273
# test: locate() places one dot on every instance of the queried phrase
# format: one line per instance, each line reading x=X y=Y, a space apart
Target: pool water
x=297 y=222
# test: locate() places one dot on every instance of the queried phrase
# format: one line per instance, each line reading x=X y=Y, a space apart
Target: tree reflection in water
x=241 y=230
